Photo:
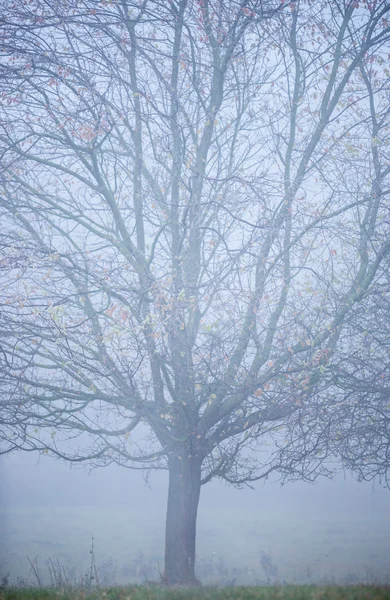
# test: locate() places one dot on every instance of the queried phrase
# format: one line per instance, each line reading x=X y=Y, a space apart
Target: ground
x=233 y=548
x=233 y=593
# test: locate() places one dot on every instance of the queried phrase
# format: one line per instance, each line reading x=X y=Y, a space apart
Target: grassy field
x=233 y=548
x=304 y=592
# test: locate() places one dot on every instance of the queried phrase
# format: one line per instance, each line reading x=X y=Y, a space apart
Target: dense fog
x=194 y=289
x=331 y=531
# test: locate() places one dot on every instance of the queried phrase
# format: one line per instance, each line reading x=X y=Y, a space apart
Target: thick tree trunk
x=180 y=533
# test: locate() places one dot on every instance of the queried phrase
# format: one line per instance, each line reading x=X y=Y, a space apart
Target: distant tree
x=193 y=208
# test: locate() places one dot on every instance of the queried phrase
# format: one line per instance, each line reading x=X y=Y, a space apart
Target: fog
x=195 y=207
x=336 y=530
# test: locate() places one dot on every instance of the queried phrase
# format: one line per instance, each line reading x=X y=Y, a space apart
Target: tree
x=361 y=427
x=193 y=194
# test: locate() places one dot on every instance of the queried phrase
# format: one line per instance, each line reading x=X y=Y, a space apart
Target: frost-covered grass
x=294 y=592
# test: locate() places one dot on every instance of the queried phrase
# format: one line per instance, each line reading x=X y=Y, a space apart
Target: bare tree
x=361 y=421
x=193 y=204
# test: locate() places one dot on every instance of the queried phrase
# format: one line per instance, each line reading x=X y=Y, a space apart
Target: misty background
x=333 y=531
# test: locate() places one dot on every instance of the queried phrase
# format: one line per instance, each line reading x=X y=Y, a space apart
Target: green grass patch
x=289 y=592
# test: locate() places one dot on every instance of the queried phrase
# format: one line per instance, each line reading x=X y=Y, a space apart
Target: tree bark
x=180 y=533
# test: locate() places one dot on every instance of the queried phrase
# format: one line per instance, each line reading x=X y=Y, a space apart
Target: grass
x=289 y=592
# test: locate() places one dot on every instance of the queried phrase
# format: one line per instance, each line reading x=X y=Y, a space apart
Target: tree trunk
x=180 y=532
